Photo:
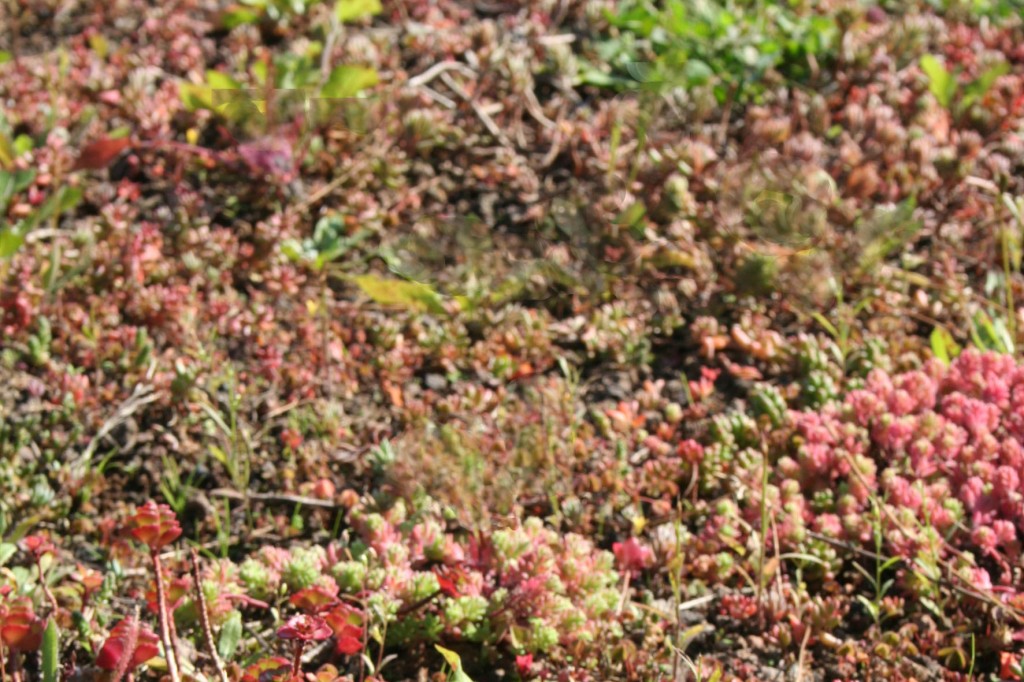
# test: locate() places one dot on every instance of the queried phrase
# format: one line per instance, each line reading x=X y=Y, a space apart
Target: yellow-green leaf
x=941 y=81
x=99 y=45
x=454 y=661
x=239 y=16
x=221 y=81
x=195 y=96
x=230 y=636
x=398 y=292
x=352 y=10
x=7 y=153
x=349 y=81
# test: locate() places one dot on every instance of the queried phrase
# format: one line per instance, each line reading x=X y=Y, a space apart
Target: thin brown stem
x=46 y=588
x=764 y=534
x=297 y=658
x=165 y=627
x=204 y=617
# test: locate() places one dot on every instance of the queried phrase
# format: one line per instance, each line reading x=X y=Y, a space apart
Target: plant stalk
x=297 y=659
x=204 y=618
x=170 y=650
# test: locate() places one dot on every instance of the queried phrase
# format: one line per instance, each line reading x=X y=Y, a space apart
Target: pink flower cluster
x=947 y=442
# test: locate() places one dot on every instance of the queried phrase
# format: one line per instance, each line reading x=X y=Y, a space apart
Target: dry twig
x=204 y=617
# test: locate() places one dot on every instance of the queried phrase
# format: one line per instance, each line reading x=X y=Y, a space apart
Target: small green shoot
x=454 y=662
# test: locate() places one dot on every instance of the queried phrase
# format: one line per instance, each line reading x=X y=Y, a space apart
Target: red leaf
x=37 y=546
x=347 y=624
x=314 y=599
x=349 y=646
x=632 y=555
x=100 y=153
x=305 y=628
x=128 y=640
x=259 y=670
x=20 y=628
x=155 y=525
x=449 y=579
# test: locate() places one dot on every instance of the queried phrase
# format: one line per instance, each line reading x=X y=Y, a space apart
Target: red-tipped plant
x=347 y=624
x=315 y=599
x=156 y=526
x=91 y=582
x=37 y=547
x=20 y=630
x=129 y=645
x=302 y=629
x=270 y=668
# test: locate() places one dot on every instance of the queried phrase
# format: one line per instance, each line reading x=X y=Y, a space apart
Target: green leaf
x=991 y=335
x=292 y=249
x=588 y=75
x=24 y=526
x=11 y=239
x=7 y=153
x=7 y=550
x=352 y=10
x=809 y=558
x=195 y=96
x=12 y=183
x=239 y=16
x=943 y=345
x=455 y=662
x=230 y=636
x=51 y=652
x=397 y=292
x=5 y=56
x=982 y=84
x=99 y=45
x=826 y=323
x=697 y=72
x=69 y=198
x=219 y=455
x=869 y=606
x=632 y=216
x=941 y=83
x=864 y=572
x=221 y=81
x=22 y=144
x=349 y=81
x=1005 y=341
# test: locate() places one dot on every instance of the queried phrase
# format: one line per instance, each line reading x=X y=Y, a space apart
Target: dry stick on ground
x=764 y=533
x=334 y=184
x=534 y=108
x=801 y=658
x=484 y=117
x=436 y=70
x=204 y=617
x=142 y=395
x=166 y=633
x=281 y=498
